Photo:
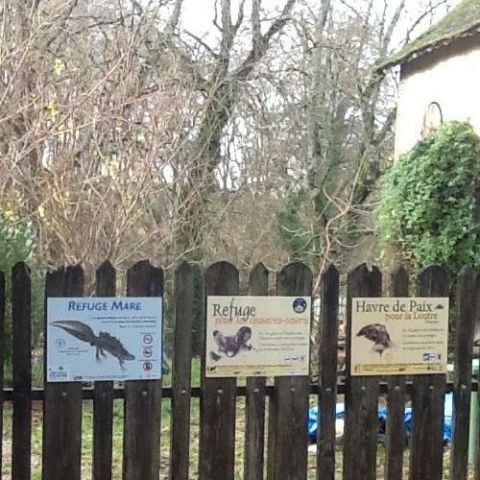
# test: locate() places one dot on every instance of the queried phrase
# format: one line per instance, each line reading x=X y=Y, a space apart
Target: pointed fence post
x=143 y=398
x=62 y=407
x=103 y=393
x=218 y=395
x=288 y=406
x=2 y=358
x=361 y=396
x=22 y=371
x=396 y=434
x=181 y=377
x=426 y=457
x=462 y=381
x=255 y=400
x=328 y=357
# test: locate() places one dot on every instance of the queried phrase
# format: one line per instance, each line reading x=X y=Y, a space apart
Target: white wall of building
x=454 y=83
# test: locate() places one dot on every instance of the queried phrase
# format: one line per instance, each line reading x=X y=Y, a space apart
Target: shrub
x=430 y=200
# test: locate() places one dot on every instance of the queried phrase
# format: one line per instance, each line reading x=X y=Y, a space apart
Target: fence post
x=181 y=376
x=143 y=398
x=22 y=371
x=255 y=399
x=218 y=395
x=426 y=457
x=328 y=363
x=288 y=407
x=361 y=395
x=462 y=381
x=396 y=434
x=2 y=358
x=62 y=407
x=103 y=393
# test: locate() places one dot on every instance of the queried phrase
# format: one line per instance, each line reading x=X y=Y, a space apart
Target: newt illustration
x=104 y=342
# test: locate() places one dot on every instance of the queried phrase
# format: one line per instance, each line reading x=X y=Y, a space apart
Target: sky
x=197 y=15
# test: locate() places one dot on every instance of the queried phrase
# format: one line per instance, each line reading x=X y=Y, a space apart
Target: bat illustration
x=232 y=345
x=104 y=342
x=376 y=333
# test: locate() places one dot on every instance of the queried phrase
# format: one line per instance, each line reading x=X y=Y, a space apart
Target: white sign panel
x=96 y=339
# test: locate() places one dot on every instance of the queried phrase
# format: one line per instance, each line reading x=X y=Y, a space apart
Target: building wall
x=453 y=81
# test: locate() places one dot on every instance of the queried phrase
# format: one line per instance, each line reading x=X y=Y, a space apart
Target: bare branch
x=202 y=43
x=175 y=17
x=258 y=51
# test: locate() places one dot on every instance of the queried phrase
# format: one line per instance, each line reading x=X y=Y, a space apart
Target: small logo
x=147 y=366
x=59 y=342
x=430 y=357
x=299 y=305
x=147 y=338
x=147 y=352
x=59 y=374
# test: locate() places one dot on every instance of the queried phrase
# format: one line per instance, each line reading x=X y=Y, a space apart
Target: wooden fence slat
x=255 y=399
x=396 y=434
x=288 y=436
x=475 y=385
x=143 y=399
x=361 y=396
x=103 y=393
x=62 y=414
x=466 y=292
x=181 y=375
x=328 y=358
x=22 y=371
x=426 y=458
x=2 y=359
x=218 y=400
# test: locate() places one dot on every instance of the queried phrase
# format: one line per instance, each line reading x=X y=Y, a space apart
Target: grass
x=87 y=440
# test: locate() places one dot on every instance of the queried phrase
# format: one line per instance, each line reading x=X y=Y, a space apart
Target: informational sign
x=94 y=339
x=399 y=336
x=258 y=336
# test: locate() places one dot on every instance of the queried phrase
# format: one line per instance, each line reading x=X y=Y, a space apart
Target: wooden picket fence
x=275 y=436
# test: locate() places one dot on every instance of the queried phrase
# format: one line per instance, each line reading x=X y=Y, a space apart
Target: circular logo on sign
x=147 y=352
x=147 y=338
x=59 y=342
x=299 y=305
x=147 y=366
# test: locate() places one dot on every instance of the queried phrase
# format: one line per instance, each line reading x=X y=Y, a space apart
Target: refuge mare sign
x=90 y=339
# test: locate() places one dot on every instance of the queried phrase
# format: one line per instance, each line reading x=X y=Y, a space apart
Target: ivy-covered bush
x=430 y=201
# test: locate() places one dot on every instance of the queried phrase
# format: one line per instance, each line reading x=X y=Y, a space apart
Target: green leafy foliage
x=429 y=207
x=295 y=230
x=17 y=244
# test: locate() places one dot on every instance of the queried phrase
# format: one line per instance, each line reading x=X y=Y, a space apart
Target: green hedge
x=429 y=207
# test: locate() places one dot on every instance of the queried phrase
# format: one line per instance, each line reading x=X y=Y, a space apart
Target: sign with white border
x=104 y=338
